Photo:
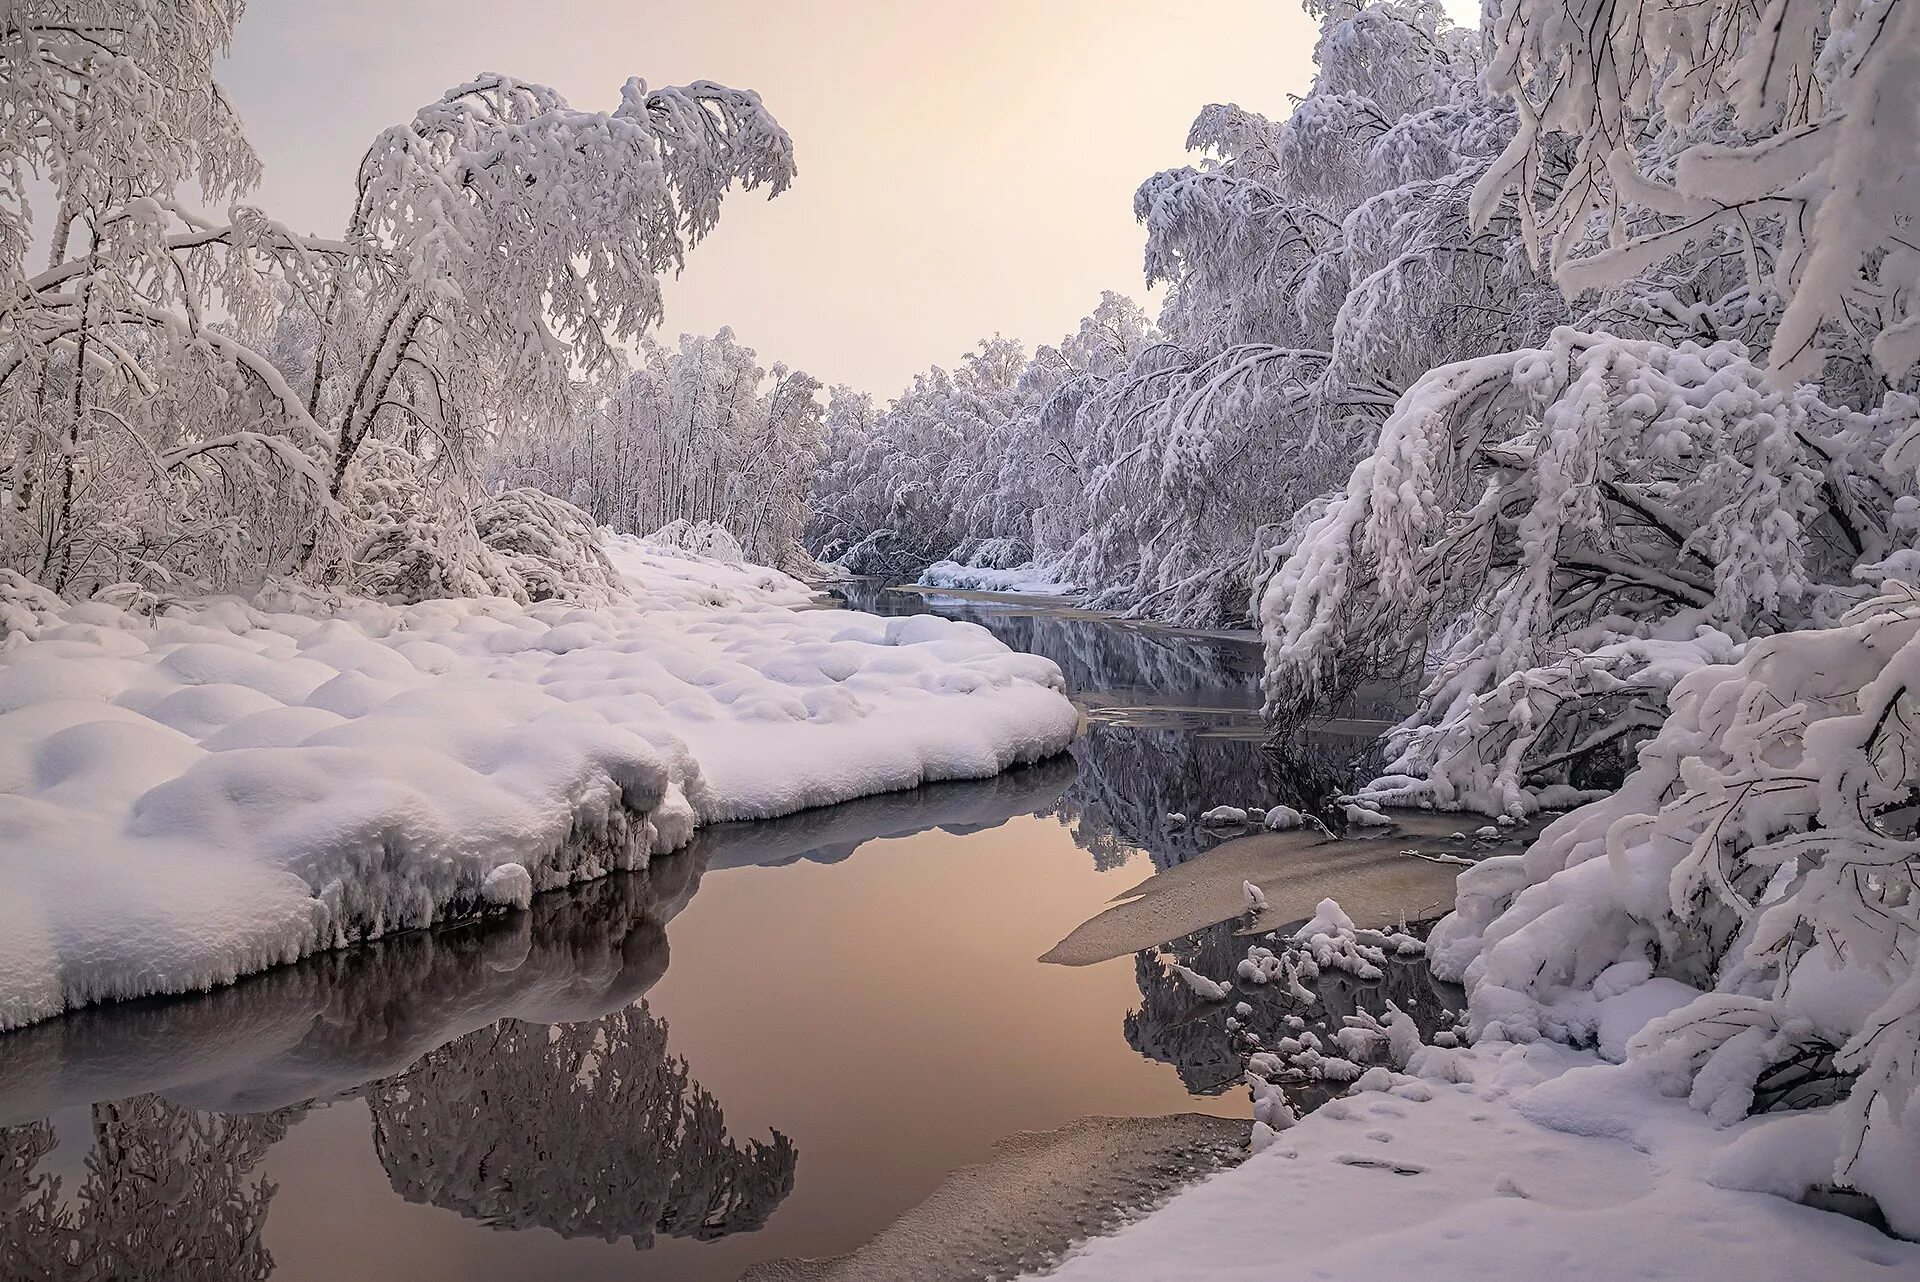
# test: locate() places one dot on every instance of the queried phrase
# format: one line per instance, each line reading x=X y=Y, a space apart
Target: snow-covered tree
x=1574 y=527
x=1764 y=852
x=1653 y=530
x=923 y=479
x=137 y=435
x=1790 y=128
x=212 y=400
x=697 y=433
x=1319 y=265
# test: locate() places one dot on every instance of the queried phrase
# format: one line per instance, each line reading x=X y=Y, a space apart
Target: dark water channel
x=768 y=1047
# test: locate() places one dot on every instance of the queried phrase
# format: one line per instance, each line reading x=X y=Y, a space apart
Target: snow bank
x=1541 y=1163
x=658 y=573
x=214 y=788
x=1030 y=579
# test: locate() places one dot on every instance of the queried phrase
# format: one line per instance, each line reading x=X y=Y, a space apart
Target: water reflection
x=323 y=1026
x=512 y=1072
x=1174 y=722
x=830 y=834
x=1174 y=1026
x=590 y=1130
x=1109 y=665
x=168 y=1193
x=1131 y=782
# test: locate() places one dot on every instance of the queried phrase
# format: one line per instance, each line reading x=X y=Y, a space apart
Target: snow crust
x=215 y=787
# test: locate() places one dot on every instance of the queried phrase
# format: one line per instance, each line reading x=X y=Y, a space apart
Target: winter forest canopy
x=1564 y=368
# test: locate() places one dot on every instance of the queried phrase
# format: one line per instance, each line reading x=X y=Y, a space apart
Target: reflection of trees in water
x=169 y=1193
x=590 y=1130
x=1175 y=1027
x=1100 y=655
x=1176 y=728
x=1131 y=778
x=587 y=1126
x=829 y=834
x=328 y=1023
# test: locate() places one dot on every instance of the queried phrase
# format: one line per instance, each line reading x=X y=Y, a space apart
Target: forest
x=1562 y=372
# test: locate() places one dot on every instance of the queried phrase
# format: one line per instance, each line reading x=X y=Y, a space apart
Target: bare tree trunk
x=57 y=565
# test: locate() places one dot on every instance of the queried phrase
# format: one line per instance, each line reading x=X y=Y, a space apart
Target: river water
x=769 y=1047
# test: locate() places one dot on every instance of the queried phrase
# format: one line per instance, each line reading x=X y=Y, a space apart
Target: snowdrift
x=1029 y=580
x=201 y=791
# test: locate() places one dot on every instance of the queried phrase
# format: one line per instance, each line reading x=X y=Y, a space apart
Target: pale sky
x=965 y=168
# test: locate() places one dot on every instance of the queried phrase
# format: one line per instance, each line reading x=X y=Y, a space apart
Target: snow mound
x=217 y=787
x=1030 y=580
x=662 y=572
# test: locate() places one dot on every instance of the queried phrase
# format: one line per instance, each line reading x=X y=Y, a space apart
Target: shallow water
x=771 y=1046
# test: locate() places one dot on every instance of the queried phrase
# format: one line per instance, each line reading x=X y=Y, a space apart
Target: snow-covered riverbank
x=1547 y=1163
x=196 y=794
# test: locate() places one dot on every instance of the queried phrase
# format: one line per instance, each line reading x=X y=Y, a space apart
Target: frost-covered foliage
x=1787 y=134
x=1654 y=531
x=551 y=548
x=1577 y=525
x=696 y=434
x=928 y=478
x=1320 y=265
x=1763 y=853
x=191 y=401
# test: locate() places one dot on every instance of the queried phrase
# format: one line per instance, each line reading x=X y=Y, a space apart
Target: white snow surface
x=1028 y=580
x=221 y=787
x=1542 y=1163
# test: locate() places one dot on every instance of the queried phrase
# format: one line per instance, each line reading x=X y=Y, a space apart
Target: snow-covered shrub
x=409 y=540
x=1765 y=854
x=701 y=538
x=1577 y=526
x=550 y=547
x=25 y=608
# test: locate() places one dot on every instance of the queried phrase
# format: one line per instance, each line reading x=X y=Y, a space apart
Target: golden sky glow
x=965 y=168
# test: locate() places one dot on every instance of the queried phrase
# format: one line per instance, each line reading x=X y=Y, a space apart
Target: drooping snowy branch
x=1648 y=130
x=1599 y=516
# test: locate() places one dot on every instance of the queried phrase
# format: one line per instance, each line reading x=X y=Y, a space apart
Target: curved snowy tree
x=509 y=242
x=137 y=435
x=1651 y=533
x=1764 y=852
x=1572 y=528
x=187 y=397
